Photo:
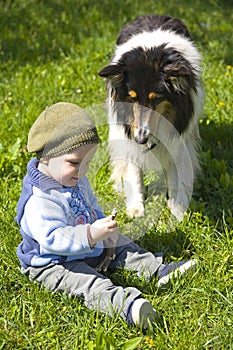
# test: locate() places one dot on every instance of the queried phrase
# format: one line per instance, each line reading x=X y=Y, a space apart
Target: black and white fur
x=154 y=102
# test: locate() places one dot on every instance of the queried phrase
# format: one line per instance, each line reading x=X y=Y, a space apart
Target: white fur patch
x=149 y=40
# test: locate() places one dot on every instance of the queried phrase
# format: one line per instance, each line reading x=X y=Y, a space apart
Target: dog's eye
x=153 y=95
x=132 y=94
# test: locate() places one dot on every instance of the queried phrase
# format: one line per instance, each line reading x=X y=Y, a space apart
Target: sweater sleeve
x=45 y=220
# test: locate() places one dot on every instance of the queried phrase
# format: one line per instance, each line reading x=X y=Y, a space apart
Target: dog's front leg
x=126 y=172
x=180 y=179
x=134 y=191
x=128 y=180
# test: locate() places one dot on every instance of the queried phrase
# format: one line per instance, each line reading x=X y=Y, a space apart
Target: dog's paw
x=176 y=209
x=135 y=211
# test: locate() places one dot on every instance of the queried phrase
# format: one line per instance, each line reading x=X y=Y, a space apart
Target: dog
x=155 y=99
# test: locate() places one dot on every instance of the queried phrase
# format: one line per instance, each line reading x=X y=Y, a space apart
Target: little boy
x=63 y=228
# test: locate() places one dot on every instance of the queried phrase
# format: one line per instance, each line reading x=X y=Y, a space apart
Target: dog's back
x=150 y=23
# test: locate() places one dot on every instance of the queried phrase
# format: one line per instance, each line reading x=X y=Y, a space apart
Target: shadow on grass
x=172 y=244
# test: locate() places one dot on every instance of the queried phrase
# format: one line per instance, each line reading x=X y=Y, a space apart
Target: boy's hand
x=109 y=253
x=101 y=229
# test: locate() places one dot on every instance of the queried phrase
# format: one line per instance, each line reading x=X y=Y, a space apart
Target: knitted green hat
x=60 y=129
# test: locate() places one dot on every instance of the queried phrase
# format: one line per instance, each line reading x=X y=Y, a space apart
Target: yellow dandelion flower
x=229 y=67
x=147 y=339
x=221 y=104
x=151 y=343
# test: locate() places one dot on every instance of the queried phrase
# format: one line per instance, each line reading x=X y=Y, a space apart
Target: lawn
x=52 y=50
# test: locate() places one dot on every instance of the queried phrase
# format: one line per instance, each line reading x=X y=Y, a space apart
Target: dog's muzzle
x=142 y=136
x=145 y=138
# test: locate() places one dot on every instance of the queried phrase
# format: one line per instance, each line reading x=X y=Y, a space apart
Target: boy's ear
x=44 y=162
x=111 y=70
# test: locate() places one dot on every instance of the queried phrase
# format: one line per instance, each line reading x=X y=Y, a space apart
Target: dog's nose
x=142 y=136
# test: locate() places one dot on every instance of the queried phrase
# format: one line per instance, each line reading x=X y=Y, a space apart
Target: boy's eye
x=74 y=163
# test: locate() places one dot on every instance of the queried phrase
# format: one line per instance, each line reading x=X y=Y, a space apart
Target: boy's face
x=69 y=168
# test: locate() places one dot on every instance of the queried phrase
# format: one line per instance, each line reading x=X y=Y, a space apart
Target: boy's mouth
x=75 y=178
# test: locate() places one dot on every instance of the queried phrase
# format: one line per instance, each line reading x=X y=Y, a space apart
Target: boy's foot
x=143 y=313
x=173 y=270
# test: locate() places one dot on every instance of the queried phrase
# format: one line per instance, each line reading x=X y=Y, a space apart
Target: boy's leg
x=130 y=256
x=79 y=279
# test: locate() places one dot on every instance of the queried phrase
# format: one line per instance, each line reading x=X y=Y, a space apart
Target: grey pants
x=80 y=278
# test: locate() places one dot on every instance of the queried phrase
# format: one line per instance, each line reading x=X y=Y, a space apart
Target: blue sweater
x=53 y=220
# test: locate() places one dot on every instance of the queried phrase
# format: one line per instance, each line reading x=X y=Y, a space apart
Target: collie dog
x=155 y=98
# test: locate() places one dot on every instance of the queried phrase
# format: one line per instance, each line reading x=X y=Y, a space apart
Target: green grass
x=51 y=51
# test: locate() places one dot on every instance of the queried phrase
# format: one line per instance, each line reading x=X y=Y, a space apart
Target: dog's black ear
x=180 y=76
x=111 y=70
x=178 y=83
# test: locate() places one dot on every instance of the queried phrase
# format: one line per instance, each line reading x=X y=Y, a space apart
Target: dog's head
x=160 y=79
